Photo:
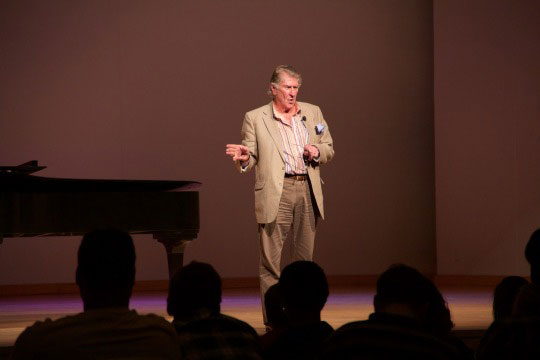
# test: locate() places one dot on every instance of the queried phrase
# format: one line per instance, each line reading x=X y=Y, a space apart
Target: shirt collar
x=277 y=115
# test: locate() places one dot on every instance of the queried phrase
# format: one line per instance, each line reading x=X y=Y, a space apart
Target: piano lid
x=18 y=179
x=28 y=167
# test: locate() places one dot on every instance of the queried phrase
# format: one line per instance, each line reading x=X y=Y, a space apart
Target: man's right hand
x=238 y=153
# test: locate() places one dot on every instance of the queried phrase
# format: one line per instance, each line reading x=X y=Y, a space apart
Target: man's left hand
x=311 y=152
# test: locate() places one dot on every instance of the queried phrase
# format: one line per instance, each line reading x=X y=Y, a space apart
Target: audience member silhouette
x=304 y=291
x=411 y=321
x=532 y=254
x=203 y=332
x=516 y=337
x=505 y=295
x=275 y=316
x=527 y=303
x=273 y=300
x=107 y=329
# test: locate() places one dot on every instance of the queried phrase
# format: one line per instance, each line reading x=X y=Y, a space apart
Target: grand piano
x=41 y=206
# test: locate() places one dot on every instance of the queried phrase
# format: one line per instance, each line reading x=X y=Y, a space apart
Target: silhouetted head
x=303 y=287
x=273 y=303
x=106 y=268
x=194 y=288
x=532 y=254
x=505 y=295
x=403 y=287
x=527 y=303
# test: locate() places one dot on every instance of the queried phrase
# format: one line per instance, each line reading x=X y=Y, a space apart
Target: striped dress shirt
x=295 y=137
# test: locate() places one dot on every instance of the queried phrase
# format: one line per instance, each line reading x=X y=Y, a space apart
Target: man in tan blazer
x=286 y=142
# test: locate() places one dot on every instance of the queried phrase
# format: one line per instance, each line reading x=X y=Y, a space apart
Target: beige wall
x=155 y=89
x=487 y=134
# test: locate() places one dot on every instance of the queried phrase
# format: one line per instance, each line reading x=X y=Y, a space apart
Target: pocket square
x=319 y=128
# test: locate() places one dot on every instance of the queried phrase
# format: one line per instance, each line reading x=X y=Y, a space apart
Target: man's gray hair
x=275 y=80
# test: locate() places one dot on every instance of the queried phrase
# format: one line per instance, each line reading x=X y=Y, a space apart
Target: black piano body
x=41 y=206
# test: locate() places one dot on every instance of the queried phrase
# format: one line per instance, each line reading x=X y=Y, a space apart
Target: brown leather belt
x=296 y=177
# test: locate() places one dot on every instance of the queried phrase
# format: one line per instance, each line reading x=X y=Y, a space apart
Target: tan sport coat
x=260 y=134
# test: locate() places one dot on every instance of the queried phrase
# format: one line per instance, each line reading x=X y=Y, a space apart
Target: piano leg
x=175 y=262
x=174 y=245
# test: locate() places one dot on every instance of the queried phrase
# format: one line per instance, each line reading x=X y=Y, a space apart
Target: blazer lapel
x=307 y=120
x=271 y=125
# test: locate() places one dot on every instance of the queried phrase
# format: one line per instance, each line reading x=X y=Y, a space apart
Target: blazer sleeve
x=249 y=140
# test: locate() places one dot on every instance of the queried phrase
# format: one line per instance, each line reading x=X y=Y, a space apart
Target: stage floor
x=470 y=308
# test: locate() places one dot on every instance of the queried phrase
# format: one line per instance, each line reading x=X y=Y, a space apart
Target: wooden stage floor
x=470 y=308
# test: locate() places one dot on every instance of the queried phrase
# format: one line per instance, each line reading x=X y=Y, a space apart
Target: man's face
x=285 y=93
